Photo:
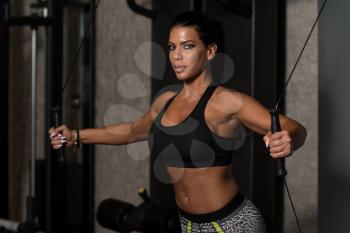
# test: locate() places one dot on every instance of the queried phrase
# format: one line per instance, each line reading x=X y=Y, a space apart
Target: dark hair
x=209 y=31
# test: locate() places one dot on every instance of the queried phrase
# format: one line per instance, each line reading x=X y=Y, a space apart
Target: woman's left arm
x=257 y=118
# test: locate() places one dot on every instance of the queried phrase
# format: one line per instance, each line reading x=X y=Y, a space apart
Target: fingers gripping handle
x=276 y=127
x=56 y=120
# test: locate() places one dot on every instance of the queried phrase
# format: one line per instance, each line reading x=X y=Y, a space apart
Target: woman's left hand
x=279 y=143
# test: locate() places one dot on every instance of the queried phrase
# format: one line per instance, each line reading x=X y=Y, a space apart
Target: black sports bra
x=190 y=143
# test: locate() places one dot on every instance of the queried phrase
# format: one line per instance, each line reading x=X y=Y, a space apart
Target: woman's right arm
x=116 y=134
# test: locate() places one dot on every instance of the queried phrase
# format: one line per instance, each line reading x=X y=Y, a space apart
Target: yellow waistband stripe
x=217 y=227
x=189 y=226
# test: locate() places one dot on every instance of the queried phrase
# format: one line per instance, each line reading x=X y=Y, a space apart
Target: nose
x=177 y=54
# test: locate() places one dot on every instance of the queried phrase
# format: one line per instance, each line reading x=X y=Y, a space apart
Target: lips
x=179 y=68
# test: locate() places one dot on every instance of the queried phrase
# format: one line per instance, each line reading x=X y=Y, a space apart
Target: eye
x=171 y=47
x=189 y=46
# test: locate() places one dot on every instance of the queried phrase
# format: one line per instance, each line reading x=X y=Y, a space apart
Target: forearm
x=297 y=132
x=298 y=137
x=117 y=134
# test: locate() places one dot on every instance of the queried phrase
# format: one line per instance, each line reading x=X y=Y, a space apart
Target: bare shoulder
x=159 y=101
x=142 y=125
x=227 y=99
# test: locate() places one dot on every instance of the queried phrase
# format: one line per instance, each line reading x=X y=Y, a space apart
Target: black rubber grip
x=276 y=127
x=56 y=120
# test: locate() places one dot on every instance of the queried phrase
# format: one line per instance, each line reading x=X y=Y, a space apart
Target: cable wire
x=301 y=53
x=76 y=56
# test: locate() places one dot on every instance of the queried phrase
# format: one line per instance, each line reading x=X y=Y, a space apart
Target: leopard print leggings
x=244 y=219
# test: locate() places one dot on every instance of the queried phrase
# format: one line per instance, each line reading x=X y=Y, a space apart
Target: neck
x=196 y=87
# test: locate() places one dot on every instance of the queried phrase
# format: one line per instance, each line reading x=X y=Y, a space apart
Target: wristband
x=78 y=139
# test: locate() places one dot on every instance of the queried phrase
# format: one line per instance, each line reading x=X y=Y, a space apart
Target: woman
x=192 y=132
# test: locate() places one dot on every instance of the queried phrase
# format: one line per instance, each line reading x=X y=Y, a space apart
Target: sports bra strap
x=169 y=102
x=198 y=111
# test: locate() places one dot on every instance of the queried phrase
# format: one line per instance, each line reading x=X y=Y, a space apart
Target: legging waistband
x=215 y=215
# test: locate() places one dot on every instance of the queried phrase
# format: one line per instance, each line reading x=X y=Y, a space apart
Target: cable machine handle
x=276 y=127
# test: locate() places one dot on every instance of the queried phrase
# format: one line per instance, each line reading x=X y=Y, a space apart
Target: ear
x=211 y=51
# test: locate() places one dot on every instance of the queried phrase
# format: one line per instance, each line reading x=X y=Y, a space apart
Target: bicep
x=139 y=129
x=253 y=115
x=258 y=119
x=126 y=132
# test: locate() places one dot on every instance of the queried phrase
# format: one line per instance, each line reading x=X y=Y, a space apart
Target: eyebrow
x=184 y=42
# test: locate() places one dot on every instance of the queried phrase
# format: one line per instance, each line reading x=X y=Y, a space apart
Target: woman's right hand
x=62 y=135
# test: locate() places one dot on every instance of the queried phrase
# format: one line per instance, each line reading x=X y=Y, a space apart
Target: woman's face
x=187 y=53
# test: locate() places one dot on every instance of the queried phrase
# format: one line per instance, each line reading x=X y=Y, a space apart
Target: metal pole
x=4 y=62
x=31 y=205
x=33 y=126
